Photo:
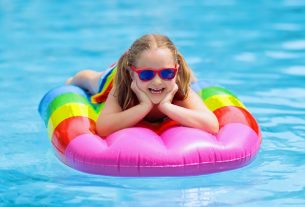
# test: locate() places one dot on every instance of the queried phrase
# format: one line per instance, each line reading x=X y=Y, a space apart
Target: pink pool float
x=167 y=149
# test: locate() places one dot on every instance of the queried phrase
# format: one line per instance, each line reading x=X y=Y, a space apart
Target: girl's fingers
x=139 y=93
x=170 y=95
x=134 y=87
x=175 y=89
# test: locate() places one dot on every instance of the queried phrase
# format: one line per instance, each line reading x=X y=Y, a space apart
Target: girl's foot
x=68 y=81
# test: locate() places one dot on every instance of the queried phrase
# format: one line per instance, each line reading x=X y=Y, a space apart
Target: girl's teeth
x=156 y=91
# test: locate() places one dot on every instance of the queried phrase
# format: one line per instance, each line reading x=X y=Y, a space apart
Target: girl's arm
x=112 y=118
x=191 y=112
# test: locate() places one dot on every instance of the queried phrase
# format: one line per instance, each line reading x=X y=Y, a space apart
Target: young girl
x=152 y=83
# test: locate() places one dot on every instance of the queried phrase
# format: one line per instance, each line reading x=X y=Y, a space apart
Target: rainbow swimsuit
x=105 y=84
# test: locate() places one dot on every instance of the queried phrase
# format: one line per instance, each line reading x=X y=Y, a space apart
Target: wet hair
x=122 y=81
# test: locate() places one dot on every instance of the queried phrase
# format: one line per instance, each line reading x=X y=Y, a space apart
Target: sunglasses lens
x=168 y=73
x=146 y=75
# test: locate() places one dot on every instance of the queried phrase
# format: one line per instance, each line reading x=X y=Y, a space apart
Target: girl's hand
x=143 y=98
x=168 y=98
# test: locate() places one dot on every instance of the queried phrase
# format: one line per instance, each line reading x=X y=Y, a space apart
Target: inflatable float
x=157 y=150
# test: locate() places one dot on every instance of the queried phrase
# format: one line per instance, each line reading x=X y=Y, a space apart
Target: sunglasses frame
x=155 y=70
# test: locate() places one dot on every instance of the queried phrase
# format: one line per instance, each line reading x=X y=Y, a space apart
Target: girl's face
x=155 y=59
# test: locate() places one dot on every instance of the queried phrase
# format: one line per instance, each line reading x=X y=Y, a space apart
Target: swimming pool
x=256 y=49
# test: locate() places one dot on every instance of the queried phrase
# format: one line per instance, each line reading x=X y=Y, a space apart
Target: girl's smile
x=156 y=91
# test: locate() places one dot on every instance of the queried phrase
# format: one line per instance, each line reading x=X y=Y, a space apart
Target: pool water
x=254 y=48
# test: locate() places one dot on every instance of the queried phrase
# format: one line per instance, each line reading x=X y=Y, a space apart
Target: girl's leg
x=86 y=79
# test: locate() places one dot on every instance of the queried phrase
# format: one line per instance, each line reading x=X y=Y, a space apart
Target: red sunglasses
x=147 y=74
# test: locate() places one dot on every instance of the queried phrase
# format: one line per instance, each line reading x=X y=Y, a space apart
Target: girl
x=152 y=83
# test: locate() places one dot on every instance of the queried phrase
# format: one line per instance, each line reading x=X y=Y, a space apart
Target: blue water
x=254 y=48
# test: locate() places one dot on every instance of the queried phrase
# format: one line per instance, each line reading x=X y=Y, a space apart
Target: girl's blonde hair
x=123 y=80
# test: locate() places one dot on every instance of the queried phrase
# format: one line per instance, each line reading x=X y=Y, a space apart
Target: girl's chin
x=155 y=100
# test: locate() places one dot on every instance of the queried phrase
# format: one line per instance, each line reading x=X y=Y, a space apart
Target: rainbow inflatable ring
x=165 y=150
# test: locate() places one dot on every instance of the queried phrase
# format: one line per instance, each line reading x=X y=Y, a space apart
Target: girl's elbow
x=102 y=130
x=215 y=128
x=215 y=125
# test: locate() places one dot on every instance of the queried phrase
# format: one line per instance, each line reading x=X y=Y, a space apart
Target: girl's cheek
x=171 y=85
x=141 y=84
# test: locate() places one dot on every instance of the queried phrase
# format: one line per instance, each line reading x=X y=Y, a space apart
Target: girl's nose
x=157 y=80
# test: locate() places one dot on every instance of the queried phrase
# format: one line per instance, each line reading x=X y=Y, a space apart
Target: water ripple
x=298 y=70
x=294 y=45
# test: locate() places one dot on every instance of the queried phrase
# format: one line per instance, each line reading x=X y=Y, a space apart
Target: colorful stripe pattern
x=227 y=107
x=68 y=113
x=105 y=86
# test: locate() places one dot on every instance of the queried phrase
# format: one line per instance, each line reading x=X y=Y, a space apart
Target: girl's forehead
x=155 y=57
